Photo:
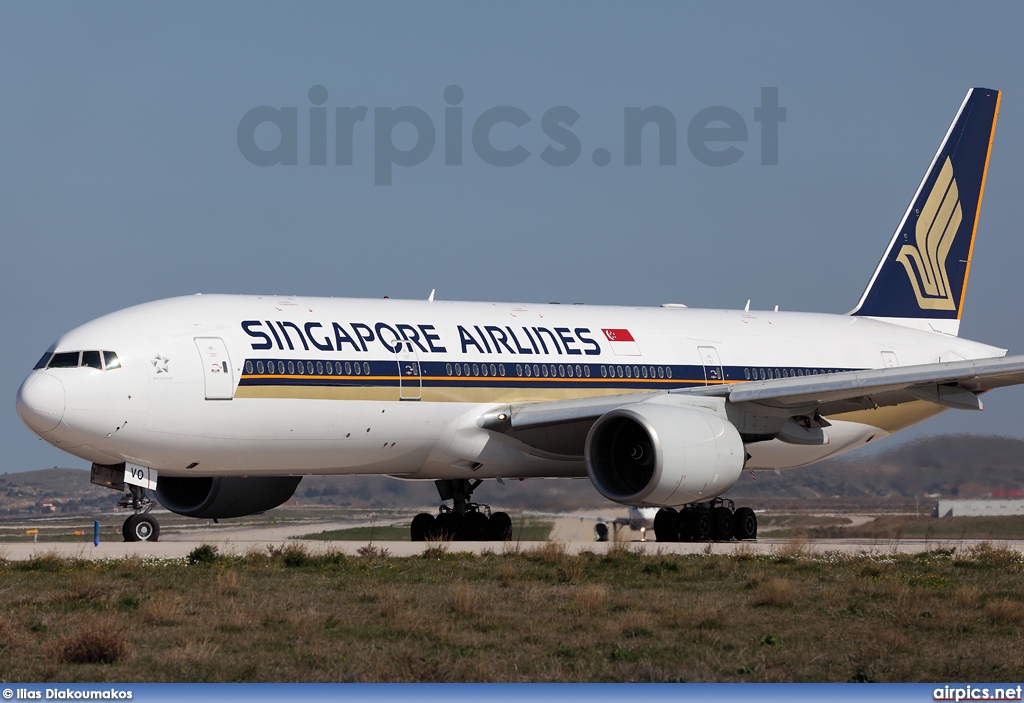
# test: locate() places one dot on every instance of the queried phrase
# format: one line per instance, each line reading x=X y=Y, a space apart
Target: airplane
x=636 y=519
x=220 y=404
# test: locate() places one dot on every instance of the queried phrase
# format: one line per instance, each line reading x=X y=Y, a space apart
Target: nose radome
x=41 y=401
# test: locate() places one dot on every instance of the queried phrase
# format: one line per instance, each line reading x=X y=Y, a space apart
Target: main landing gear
x=462 y=521
x=718 y=520
x=140 y=527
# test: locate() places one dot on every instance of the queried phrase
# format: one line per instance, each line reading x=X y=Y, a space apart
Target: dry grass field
x=513 y=615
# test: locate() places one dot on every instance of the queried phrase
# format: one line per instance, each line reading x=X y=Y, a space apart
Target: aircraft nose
x=41 y=402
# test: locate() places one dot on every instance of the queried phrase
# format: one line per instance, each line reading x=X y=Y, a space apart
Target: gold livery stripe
x=977 y=211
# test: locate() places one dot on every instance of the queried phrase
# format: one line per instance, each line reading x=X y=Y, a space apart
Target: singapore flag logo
x=622 y=342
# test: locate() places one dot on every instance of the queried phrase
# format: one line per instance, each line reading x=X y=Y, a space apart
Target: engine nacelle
x=653 y=454
x=217 y=497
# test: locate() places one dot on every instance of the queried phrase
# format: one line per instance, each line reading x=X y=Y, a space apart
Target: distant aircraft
x=221 y=404
x=637 y=519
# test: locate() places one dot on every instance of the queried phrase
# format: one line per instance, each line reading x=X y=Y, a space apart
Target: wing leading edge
x=561 y=427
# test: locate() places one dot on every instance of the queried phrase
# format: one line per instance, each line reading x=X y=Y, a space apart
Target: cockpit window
x=64 y=360
x=92 y=360
x=101 y=360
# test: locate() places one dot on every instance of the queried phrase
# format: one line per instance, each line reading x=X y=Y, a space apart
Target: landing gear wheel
x=421 y=527
x=473 y=527
x=665 y=525
x=140 y=527
x=722 y=524
x=445 y=527
x=499 y=527
x=694 y=524
x=746 y=524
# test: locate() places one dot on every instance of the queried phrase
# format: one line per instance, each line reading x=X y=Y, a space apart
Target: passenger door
x=217 y=371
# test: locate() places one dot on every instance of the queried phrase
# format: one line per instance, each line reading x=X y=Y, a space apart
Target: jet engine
x=653 y=454
x=217 y=497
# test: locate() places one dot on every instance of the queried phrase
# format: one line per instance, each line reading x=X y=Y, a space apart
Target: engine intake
x=217 y=497
x=653 y=454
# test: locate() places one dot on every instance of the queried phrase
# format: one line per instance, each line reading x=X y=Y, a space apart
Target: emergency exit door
x=220 y=379
x=713 y=372
x=410 y=376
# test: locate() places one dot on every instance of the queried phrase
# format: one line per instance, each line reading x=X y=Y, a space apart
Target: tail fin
x=920 y=282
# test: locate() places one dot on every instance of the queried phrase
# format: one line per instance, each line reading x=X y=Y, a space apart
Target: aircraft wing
x=561 y=427
x=952 y=384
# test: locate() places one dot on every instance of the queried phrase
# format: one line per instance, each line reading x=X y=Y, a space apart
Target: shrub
x=203 y=554
x=96 y=642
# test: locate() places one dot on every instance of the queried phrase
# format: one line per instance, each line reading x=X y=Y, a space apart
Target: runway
x=575 y=535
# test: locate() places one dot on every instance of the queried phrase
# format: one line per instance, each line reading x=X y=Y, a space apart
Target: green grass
x=388 y=533
x=522 y=531
x=289 y=614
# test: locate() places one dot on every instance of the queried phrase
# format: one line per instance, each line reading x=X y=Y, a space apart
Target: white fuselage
x=211 y=385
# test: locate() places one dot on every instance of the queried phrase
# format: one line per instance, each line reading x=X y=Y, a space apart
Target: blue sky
x=122 y=180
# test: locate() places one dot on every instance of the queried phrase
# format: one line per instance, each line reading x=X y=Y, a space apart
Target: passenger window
x=320 y=369
x=356 y=369
x=536 y=370
x=476 y=370
x=41 y=364
x=519 y=369
x=586 y=371
x=618 y=371
x=544 y=370
x=259 y=367
x=494 y=370
x=661 y=372
x=291 y=367
x=636 y=372
x=248 y=367
x=568 y=370
x=578 y=369
x=366 y=368
x=92 y=360
x=501 y=369
x=528 y=372
x=448 y=368
x=348 y=368
x=561 y=371
x=604 y=372
x=309 y=367
x=64 y=360
x=668 y=372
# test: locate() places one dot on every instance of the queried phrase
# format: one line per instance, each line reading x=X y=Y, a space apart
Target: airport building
x=960 y=508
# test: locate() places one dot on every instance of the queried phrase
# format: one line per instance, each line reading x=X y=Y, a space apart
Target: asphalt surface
x=575 y=534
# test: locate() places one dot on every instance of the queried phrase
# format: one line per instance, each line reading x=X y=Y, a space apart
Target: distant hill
x=945 y=466
x=964 y=466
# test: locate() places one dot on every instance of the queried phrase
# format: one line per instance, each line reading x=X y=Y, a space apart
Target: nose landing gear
x=140 y=527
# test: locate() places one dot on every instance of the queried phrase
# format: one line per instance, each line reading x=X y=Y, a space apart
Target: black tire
x=499 y=527
x=473 y=527
x=421 y=527
x=700 y=524
x=446 y=526
x=722 y=524
x=141 y=528
x=683 y=526
x=665 y=525
x=746 y=524
x=128 y=529
x=601 y=532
